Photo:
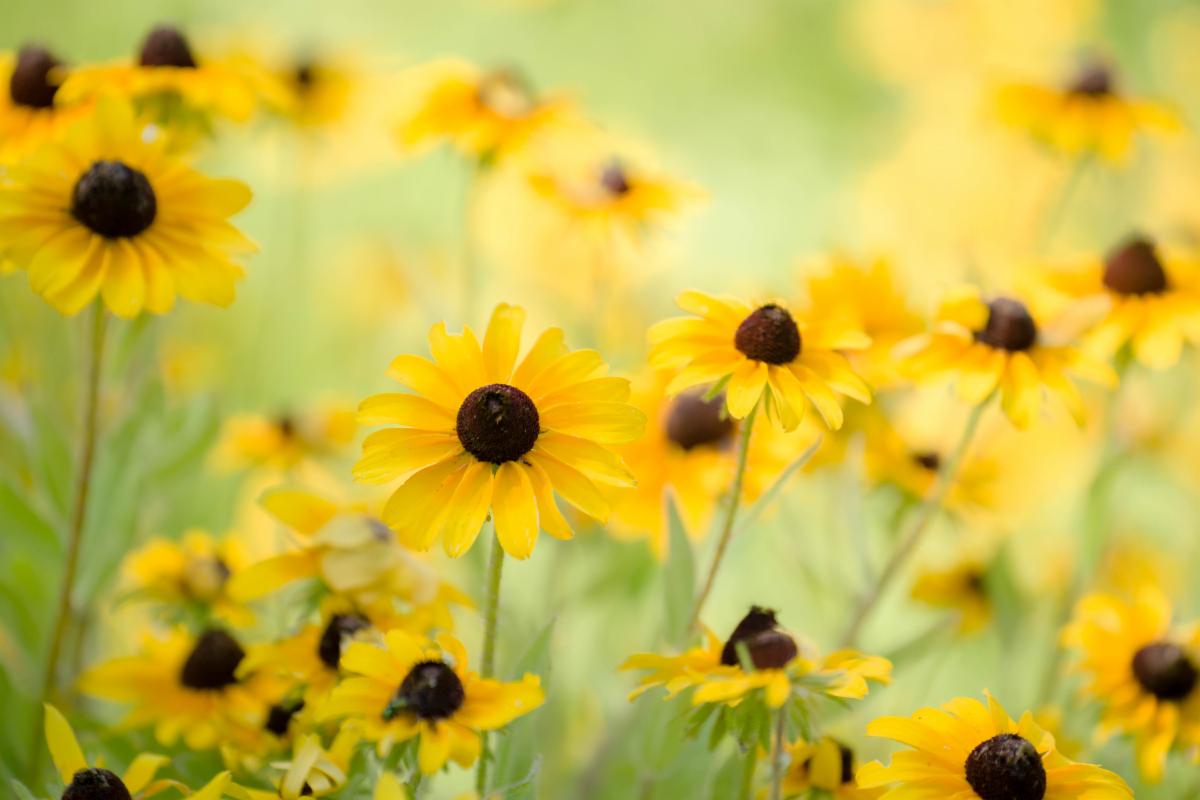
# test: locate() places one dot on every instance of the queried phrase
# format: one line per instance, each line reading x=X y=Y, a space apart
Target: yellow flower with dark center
x=486 y=433
x=104 y=211
x=1150 y=301
x=961 y=588
x=417 y=688
x=762 y=354
x=187 y=687
x=193 y=571
x=1145 y=675
x=29 y=116
x=251 y=441
x=966 y=750
x=825 y=765
x=715 y=669
x=1090 y=115
x=174 y=82
x=995 y=345
x=483 y=114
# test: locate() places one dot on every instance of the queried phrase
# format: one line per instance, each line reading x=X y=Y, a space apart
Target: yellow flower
x=961 y=588
x=760 y=353
x=106 y=212
x=969 y=750
x=826 y=765
x=486 y=433
x=865 y=296
x=690 y=452
x=1089 y=116
x=29 y=116
x=138 y=781
x=1146 y=677
x=313 y=770
x=996 y=346
x=194 y=571
x=1150 y=303
x=483 y=114
x=174 y=83
x=780 y=667
x=188 y=687
x=416 y=688
x=250 y=441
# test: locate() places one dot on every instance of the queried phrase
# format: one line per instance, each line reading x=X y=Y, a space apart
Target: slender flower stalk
x=487 y=668
x=777 y=755
x=83 y=483
x=730 y=518
x=751 y=767
x=908 y=545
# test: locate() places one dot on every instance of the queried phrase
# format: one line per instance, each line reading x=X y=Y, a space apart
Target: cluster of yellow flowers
x=312 y=652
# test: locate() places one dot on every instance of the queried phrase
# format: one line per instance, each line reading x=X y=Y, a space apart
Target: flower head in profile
x=29 y=115
x=413 y=687
x=105 y=212
x=995 y=345
x=760 y=354
x=313 y=770
x=485 y=432
x=189 y=575
x=253 y=441
x=966 y=749
x=826 y=765
x=1150 y=300
x=1091 y=115
x=1145 y=674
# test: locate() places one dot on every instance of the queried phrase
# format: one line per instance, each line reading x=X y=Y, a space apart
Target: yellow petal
x=142 y=770
x=502 y=342
x=515 y=509
x=299 y=510
x=64 y=748
x=434 y=749
x=468 y=508
x=389 y=788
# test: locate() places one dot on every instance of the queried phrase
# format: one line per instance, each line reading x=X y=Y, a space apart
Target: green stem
x=751 y=767
x=777 y=755
x=487 y=667
x=83 y=484
x=924 y=516
x=735 y=497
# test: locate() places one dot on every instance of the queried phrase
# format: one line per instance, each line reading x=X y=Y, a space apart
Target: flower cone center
x=431 y=690
x=114 y=200
x=1135 y=268
x=95 y=783
x=333 y=639
x=1165 y=671
x=769 y=647
x=213 y=662
x=1010 y=326
x=693 y=421
x=165 y=46
x=769 y=335
x=498 y=423
x=30 y=83
x=1006 y=767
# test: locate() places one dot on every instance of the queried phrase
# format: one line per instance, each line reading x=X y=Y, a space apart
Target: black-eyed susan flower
x=189 y=688
x=1144 y=673
x=484 y=114
x=967 y=751
x=1150 y=300
x=826 y=765
x=106 y=212
x=962 y=588
x=190 y=575
x=313 y=770
x=988 y=346
x=253 y=441
x=485 y=433
x=1090 y=115
x=417 y=688
x=760 y=354
x=29 y=81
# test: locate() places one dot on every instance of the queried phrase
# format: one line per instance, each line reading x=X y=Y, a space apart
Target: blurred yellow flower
x=29 y=115
x=194 y=571
x=759 y=354
x=250 y=441
x=961 y=588
x=486 y=433
x=1145 y=675
x=313 y=771
x=417 y=688
x=966 y=749
x=827 y=766
x=107 y=212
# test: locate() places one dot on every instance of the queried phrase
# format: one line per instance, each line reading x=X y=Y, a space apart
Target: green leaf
x=516 y=752
x=679 y=578
x=728 y=780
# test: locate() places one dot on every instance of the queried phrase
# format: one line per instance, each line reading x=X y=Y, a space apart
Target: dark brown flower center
x=1134 y=268
x=693 y=421
x=768 y=646
x=1006 y=767
x=286 y=425
x=114 y=200
x=431 y=690
x=279 y=718
x=1165 y=670
x=95 y=783
x=213 y=662
x=165 y=47
x=30 y=84
x=498 y=423
x=305 y=75
x=927 y=460
x=770 y=335
x=340 y=628
x=1094 y=80
x=615 y=179
x=1010 y=326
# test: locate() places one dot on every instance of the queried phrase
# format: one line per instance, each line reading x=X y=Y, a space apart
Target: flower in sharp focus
x=105 y=212
x=825 y=765
x=250 y=441
x=995 y=345
x=966 y=750
x=486 y=433
x=193 y=572
x=417 y=688
x=187 y=687
x=29 y=115
x=1145 y=675
x=760 y=354
x=1089 y=116
x=1150 y=299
